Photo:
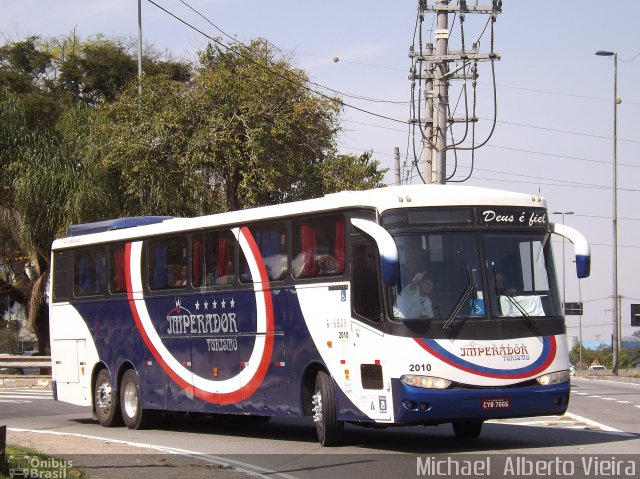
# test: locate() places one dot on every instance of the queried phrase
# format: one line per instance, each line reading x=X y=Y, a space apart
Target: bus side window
x=217 y=263
x=63 y=275
x=117 y=282
x=168 y=263
x=319 y=246
x=366 y=293
x=90 y=271
x=271 y=240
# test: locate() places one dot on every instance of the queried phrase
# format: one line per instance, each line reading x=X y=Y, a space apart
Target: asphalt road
x=603 y=423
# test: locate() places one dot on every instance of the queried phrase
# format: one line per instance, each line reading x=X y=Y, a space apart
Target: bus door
x=262 y=356
x=69 y=366
x=372 y=384
x=178 y=392
x=216 y=366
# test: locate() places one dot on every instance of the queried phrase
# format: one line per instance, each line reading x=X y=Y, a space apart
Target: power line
x=631 y=59
x=520 y=150
x=350 y=95
x=555 y=130
x=273 y=72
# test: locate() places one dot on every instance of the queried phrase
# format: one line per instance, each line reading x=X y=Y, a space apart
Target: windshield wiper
x=461 y=301
x=524 y=313
x=512 y=300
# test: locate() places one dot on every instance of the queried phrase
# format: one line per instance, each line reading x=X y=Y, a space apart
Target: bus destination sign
x=512 y=217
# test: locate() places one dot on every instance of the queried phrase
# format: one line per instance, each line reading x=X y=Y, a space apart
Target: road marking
x=624 y=402
x=18 y=395
x=608 y=399
x=597 y=425
x=209 y=458
x=22 y=395
x=567 y=421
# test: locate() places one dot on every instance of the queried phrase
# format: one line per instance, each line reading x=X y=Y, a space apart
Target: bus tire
x=329 y=429
x=133 y=415
x=106 y=402
x=467 y=429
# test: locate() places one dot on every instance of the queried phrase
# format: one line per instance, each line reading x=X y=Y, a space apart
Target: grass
x=40 y=465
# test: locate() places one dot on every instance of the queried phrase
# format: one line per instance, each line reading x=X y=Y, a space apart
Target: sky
x=555 y=111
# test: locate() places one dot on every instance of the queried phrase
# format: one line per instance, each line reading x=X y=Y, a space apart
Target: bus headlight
x=427 y=382
x=553 y=378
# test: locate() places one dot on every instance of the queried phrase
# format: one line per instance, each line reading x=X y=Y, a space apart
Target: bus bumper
x=430 y=406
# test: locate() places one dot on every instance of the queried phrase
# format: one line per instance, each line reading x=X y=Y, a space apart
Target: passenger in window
x=414 y=301
x=326 y=264
x=182 y=277
x=501 y=289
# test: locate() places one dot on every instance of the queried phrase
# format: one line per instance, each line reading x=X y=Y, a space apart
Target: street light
x=616 y=310
x=564 y=266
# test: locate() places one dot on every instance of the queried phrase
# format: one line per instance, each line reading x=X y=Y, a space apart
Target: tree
x=24 y=71
x=245 y=132
x=52 y=186
x=49 y=178
x=264 y=134
x=348 y=172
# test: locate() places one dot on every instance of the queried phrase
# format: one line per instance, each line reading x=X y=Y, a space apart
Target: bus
x=303 y=309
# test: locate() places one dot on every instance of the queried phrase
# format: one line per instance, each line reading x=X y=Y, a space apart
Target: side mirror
x=581 y=246
x=386 y=247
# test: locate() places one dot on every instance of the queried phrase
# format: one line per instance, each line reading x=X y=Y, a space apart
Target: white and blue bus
x=304 y=309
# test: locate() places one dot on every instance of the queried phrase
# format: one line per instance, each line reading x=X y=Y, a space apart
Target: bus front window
x=521 y=274
x=438 y=271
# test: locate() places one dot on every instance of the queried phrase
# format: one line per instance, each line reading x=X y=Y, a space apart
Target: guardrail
x=25 y=362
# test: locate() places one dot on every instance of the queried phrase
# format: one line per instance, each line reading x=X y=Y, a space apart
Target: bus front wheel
x=131 y=403
x=330 y=430
x=106 y=401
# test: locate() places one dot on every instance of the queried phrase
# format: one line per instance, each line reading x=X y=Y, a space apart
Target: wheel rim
x=103 y=396
x=317 y=408
x=130 y=399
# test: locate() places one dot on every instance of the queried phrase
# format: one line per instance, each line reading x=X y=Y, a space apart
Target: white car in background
x=597 y=367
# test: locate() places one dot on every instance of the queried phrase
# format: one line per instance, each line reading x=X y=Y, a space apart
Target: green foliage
x=347 y=172
x=627 y=358
x=142 y=141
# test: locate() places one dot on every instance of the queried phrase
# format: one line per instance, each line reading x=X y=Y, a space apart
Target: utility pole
x=396 y=157
x=441 y=95
x=140 y=47
x=617 y=300
x=428 y=128
x=437 y=76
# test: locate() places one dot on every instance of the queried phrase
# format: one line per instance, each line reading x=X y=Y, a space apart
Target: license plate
x=495 y=403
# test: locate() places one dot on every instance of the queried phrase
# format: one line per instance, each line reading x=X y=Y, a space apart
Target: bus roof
x=109 y=225
x=381 y=199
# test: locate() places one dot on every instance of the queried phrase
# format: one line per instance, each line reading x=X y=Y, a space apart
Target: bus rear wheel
x=467 y=429
x=131 y=403
x=106 y=401
x=329 y=429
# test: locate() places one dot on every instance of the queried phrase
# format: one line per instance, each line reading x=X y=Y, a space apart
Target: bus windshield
x=444 y=275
